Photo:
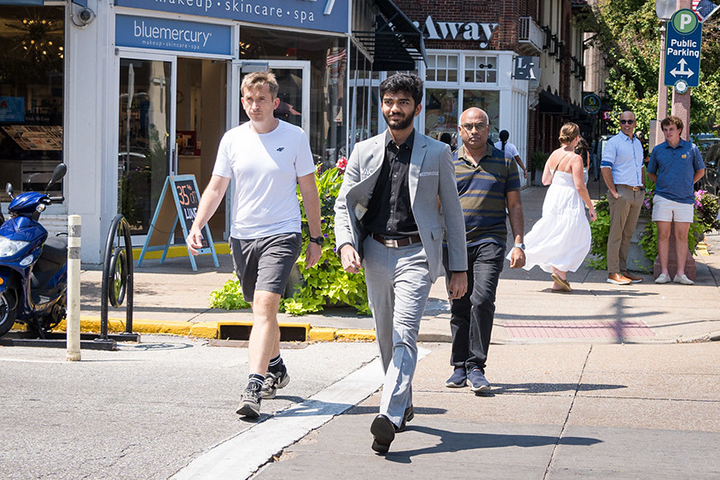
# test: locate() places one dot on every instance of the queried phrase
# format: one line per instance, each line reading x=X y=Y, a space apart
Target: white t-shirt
x=265 y=168
x=510 y=150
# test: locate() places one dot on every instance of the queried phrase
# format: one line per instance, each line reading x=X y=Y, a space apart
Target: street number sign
x=682 y=50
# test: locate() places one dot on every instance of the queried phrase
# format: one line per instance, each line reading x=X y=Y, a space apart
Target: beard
x=399 y=124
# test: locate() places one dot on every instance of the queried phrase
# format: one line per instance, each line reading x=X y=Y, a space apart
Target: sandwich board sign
x=183 y=190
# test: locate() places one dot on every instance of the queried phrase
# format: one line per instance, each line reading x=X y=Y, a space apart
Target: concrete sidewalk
x=171 y=298
x=555 y=412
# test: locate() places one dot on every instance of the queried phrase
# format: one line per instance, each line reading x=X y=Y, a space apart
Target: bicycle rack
x=117 y=280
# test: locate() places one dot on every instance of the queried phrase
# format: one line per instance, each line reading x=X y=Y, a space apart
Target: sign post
x=184 y=192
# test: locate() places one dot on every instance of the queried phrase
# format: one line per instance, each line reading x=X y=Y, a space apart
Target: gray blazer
x=431 y=178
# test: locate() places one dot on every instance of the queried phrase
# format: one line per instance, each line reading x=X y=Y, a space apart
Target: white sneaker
x=683 y=280
x=663 y=278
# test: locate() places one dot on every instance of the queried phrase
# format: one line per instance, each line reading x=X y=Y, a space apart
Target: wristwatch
x=521 y=246
x=319 y=240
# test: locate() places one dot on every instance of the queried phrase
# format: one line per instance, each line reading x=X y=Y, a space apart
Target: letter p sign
x=685 y=21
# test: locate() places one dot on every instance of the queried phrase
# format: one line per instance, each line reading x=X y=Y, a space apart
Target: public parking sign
x=682 y=50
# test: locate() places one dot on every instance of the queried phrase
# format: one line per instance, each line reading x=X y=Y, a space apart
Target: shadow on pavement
x=551 y=387
x=456 y=442
x=369 y=410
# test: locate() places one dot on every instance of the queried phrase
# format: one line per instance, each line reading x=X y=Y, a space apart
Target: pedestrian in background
x=560 y=240
x=398 y=195
x=510 y=150
x=488 y=186
x=622 y=169
x=446 y=137
x=583 y=149
x=675 y=165
x=267 y=159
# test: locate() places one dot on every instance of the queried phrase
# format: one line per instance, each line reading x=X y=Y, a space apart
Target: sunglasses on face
x=470 y=126
x=627 y=122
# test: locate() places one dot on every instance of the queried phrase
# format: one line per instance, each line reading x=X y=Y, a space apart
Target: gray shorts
x=265 y=263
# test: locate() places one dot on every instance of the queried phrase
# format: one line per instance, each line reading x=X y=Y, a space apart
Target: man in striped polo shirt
x=488 y=184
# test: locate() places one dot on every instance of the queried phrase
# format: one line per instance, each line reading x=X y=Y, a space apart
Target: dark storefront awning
x=551 y=104
x=396 y=43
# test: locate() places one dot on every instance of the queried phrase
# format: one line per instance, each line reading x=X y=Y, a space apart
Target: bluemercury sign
x=176 y=35
x=479 y=32
x=327 y=15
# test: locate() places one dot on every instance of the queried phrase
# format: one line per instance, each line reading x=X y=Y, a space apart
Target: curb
x=211 y=330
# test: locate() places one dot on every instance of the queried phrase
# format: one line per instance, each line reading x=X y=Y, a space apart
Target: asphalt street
x=146 y=410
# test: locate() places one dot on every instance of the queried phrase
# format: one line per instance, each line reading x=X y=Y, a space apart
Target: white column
x=73 y=289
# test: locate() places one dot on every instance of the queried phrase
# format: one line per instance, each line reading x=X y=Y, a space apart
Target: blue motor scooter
x=33 y=267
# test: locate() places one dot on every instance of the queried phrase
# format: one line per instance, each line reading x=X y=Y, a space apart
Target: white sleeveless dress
x=561 y=238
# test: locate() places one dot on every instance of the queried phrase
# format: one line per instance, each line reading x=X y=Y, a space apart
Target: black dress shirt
x=389 y=211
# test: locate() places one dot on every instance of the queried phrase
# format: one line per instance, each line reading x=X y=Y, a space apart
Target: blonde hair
x=568 y=132
x=257 y=80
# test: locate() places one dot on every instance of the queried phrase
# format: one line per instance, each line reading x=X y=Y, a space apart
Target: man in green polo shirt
x=488 y=186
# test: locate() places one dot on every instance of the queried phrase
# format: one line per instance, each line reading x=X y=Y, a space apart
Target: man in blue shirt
x=622 y=170
x=675 y=165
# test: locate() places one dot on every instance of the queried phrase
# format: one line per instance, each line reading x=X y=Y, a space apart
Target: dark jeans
x=472 y=316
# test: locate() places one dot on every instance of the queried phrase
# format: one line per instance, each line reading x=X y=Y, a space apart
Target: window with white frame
x=442 y=68
x=481 y=69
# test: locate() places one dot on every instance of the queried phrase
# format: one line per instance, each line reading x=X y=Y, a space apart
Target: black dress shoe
x=409 y=415
x=384 y=432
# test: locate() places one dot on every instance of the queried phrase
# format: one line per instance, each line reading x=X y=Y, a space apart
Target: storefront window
x=442 y=68
x=441 y=112
x=364 y=105
x=328 y=63
x=489 y=101
x=31 y=96
x=143 y=150
x=481 y=69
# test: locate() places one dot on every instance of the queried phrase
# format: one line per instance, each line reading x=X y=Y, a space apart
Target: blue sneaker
x=478 y=382
x=457 y=379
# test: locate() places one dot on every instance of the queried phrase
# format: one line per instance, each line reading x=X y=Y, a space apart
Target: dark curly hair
x=403 y=82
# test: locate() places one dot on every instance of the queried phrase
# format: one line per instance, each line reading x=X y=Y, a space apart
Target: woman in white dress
x=560 y=240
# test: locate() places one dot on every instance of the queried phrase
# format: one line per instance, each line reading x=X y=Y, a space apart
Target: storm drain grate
x=288 y=333
x=577 y=329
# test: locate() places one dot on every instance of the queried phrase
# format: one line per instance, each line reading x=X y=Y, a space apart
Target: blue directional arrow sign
x=682 y=49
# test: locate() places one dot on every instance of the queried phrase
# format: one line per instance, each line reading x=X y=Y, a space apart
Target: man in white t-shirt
x=267 y=158
x=510 y=150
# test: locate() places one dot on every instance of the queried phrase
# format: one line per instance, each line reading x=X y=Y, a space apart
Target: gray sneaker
x=273 y=381
x=250 y=403
x=478 y=382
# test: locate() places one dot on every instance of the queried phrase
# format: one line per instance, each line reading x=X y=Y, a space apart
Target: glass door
x=293 y=78
x=146 y=146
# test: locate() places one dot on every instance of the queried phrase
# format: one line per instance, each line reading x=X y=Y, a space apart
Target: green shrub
x=326 y=283
x=600 y=230
x=538 y=159
x=229 y=297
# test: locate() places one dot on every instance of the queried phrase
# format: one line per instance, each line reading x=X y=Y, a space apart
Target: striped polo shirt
x=482 y=190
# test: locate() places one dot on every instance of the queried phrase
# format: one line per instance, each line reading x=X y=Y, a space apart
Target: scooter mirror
x=9 y=189
x=58 y=173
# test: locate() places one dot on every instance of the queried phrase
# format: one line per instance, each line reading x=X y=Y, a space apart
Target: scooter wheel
x=118 y=277
x=8 y=310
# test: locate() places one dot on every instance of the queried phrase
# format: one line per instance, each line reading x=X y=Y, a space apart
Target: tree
x=628 y=31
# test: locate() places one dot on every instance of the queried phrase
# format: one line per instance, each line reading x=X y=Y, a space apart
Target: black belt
x=634 y=189
x=396 y=242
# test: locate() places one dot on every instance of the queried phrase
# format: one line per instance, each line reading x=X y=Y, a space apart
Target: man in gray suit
x=397 y=199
